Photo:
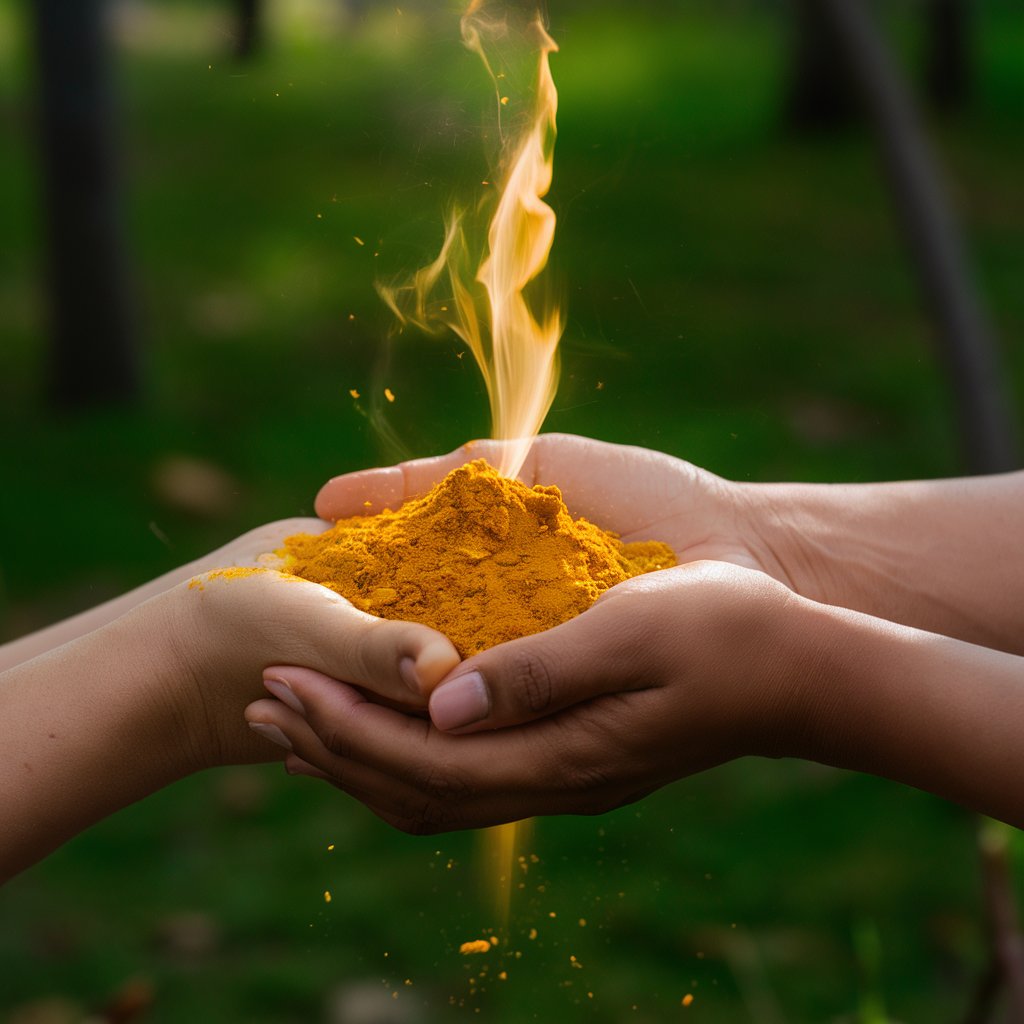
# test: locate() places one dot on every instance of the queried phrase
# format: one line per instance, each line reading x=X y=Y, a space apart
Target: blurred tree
x=248 y=30
x=93 y=356
x=821 y=94
x=964 y=338
x=948 y=52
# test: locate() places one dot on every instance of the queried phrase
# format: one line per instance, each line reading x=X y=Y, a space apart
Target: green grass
x=744 y=300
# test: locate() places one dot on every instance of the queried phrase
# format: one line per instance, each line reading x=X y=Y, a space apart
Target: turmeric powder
x=481 y=558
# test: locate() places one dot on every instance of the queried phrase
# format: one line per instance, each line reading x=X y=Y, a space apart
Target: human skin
x=874 y=627
x=161 y=677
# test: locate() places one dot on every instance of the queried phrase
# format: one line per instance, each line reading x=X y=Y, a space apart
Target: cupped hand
x=242 y=615
x=637 y=493
x=666 y=675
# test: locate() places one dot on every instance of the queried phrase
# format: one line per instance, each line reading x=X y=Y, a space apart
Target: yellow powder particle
x=235 y=572
x=475 y=946
x=481 y=558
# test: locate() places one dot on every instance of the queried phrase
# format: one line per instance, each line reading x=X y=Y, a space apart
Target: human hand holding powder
x=669 y=674
x=941 y=555
x=815 y=680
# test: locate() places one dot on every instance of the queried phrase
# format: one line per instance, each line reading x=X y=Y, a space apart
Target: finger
x=397 y=659
x=371 y=490
x=604 y=650
x=294 y=765
x=644 y=484
x=622 y=488
x=311 y=626
x=308 y=755
x=259 y=546
x=422 y=782
x=420 y=807
x=339 y=720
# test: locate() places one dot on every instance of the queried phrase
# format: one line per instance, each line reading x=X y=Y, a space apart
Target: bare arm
x=936 y=713
x=943 y=555
x=158 y=692
x=88 y=728
x=253 y=548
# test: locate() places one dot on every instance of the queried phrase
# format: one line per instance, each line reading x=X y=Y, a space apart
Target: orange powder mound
x=481 y=558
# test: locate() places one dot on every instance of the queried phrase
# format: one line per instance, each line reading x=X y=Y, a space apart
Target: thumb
x=599 y=652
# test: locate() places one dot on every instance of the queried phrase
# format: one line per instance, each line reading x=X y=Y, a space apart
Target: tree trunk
x=948 y=53
x=248 y=34
x=821 y=95
x=93 y=356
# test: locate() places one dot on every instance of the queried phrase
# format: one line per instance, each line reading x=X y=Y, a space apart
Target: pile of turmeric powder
x=481 y=558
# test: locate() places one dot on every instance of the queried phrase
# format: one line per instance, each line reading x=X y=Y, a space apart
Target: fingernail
x=407 y=670
x=461 y=702
x=284 y=693
x=272 y=733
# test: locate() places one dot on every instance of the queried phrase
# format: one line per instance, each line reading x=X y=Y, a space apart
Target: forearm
x=15 y=652
x=932 y=712
x=943 y=555
x=253 y=548
x=88 y=728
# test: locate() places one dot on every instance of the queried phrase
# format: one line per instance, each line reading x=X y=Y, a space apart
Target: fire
x=483 y=283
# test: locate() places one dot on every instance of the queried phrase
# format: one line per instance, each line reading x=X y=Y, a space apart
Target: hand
x=666 y=675
x=637 y=493
x=230 y=626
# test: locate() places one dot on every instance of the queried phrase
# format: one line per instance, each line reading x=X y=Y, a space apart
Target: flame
x=483 y=284
x=486 y=292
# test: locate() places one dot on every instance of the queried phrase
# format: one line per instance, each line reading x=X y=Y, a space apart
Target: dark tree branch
x=965 y=340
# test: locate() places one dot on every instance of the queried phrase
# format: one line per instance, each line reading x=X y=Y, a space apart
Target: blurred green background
x=737 y=294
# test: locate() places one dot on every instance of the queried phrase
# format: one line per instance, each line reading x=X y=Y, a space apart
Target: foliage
x=735 y=296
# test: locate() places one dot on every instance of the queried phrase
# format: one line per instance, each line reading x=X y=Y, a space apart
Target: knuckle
x=531 y=682
x=336 y=743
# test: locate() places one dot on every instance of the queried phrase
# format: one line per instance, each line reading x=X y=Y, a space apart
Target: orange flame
x=511 y=332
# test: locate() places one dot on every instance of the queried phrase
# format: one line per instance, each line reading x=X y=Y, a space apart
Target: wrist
x=784 y=657
x=850 y=675
x=168 y=716
x=211 y=671
x=826 y=542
